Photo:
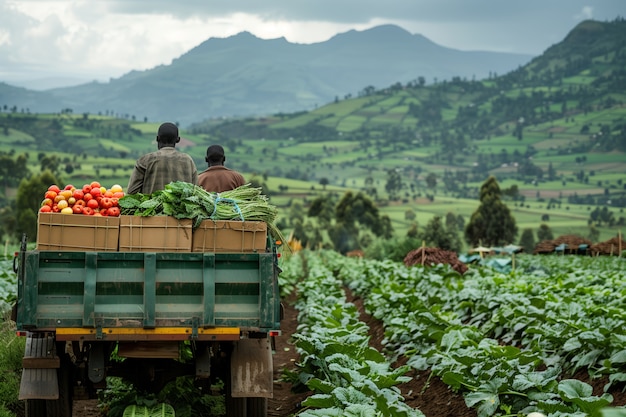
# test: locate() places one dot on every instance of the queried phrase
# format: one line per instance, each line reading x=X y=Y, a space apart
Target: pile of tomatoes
x=91 y=200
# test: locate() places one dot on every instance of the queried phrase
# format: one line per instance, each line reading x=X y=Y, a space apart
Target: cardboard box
x=230 y=236
x=154 y=234
x=76 y=232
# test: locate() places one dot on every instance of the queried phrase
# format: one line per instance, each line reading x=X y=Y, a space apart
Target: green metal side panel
x=149 y=290
x=89 y=297
x=137 y=289
x=30 y=292
x=208 y=281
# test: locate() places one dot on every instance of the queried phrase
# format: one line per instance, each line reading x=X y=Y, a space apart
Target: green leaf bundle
x=183 y=200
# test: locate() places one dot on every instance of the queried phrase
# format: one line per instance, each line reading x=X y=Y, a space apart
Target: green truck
x=89 y=315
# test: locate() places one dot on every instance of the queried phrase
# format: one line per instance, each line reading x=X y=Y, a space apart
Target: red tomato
x=45 y=209
x=69 y=187
x=87 y=196
x=80 y=203
x=95 y=191
x=88 y=211
x=93 y=204
x=77 y=209
x=108 y=193
x=115 y=201
x=51 y=194
x=54 y=188
x=114 y=211
x=118 y=194
x=55 y=208
x=78 y=194
x=95 y=184
x=86 y=188
x=106 y=203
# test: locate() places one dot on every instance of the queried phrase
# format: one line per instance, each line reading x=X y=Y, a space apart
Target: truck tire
x=257 y=407
x=35 y=408
x=235 y=407
x=63 y=406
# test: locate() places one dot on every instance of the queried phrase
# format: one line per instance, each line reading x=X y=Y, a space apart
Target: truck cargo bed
x=147 y=290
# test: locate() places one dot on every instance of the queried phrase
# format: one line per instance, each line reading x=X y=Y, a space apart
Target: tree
x=354 y=212
x=492 y=223
x=594 y=233
x=544 y=233
x=394 y=184
x=29 y=195
x=434 y=234
x=431 y=180
x=527 y=240
x=12 y=171
x=322 y=208
x=324 y=182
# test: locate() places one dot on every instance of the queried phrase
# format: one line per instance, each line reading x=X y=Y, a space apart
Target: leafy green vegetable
x=188 y=201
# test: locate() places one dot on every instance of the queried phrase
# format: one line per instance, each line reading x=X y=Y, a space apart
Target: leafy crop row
x=8 y=284
x=509 y=342
x=347 y=376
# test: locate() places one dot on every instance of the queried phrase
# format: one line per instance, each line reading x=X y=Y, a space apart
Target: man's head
x=215 y=155
x=167 y=135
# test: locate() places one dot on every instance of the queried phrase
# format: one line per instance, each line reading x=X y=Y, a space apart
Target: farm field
x=547 y=336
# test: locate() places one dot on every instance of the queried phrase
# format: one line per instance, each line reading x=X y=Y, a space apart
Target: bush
x=11 y=353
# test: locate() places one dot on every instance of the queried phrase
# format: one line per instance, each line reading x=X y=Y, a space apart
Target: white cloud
x=585 y=13
x=98 y=39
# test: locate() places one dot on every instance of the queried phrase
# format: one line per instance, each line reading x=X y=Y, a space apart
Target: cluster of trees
x=354 y=222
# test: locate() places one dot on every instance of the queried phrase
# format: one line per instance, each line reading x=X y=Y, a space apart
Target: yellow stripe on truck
x=138 y=333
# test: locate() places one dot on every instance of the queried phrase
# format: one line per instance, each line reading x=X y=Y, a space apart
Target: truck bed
x=118 y=295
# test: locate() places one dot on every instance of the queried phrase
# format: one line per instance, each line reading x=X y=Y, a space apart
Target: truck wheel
x=63 y=406
x=257 y=407
x=35 y=408
x=235 y=407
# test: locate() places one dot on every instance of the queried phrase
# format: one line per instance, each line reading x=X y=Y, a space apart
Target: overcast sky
x=102 y=39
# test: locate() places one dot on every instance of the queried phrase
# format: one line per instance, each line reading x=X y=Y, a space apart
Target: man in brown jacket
x=217 y=177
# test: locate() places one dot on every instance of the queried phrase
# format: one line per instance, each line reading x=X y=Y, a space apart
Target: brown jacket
x=218 y=178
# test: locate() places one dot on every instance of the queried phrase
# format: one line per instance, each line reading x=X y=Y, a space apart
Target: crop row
x=8 y=284
x=509 y=342
x=347 y=376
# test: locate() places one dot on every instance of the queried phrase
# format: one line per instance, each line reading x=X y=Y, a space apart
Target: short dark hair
x=168 y=132
x=214 y=153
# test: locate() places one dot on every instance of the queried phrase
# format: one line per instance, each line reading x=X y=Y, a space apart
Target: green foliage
x=11 y=353
x=507 y=341
x=544 y=233
x=23 y=218
x=158 y=410
x=180 y=395
x=527 y=240
x=13 y=170
x=492 y=224
x=438 y=236
x=8 y=285
x=347 y=376
x=188 y=201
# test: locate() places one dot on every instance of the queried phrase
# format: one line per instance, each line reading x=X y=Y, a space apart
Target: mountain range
x=243 y=75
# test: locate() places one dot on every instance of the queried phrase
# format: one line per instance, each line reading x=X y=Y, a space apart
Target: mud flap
x=39 y=376
x=252 y=372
